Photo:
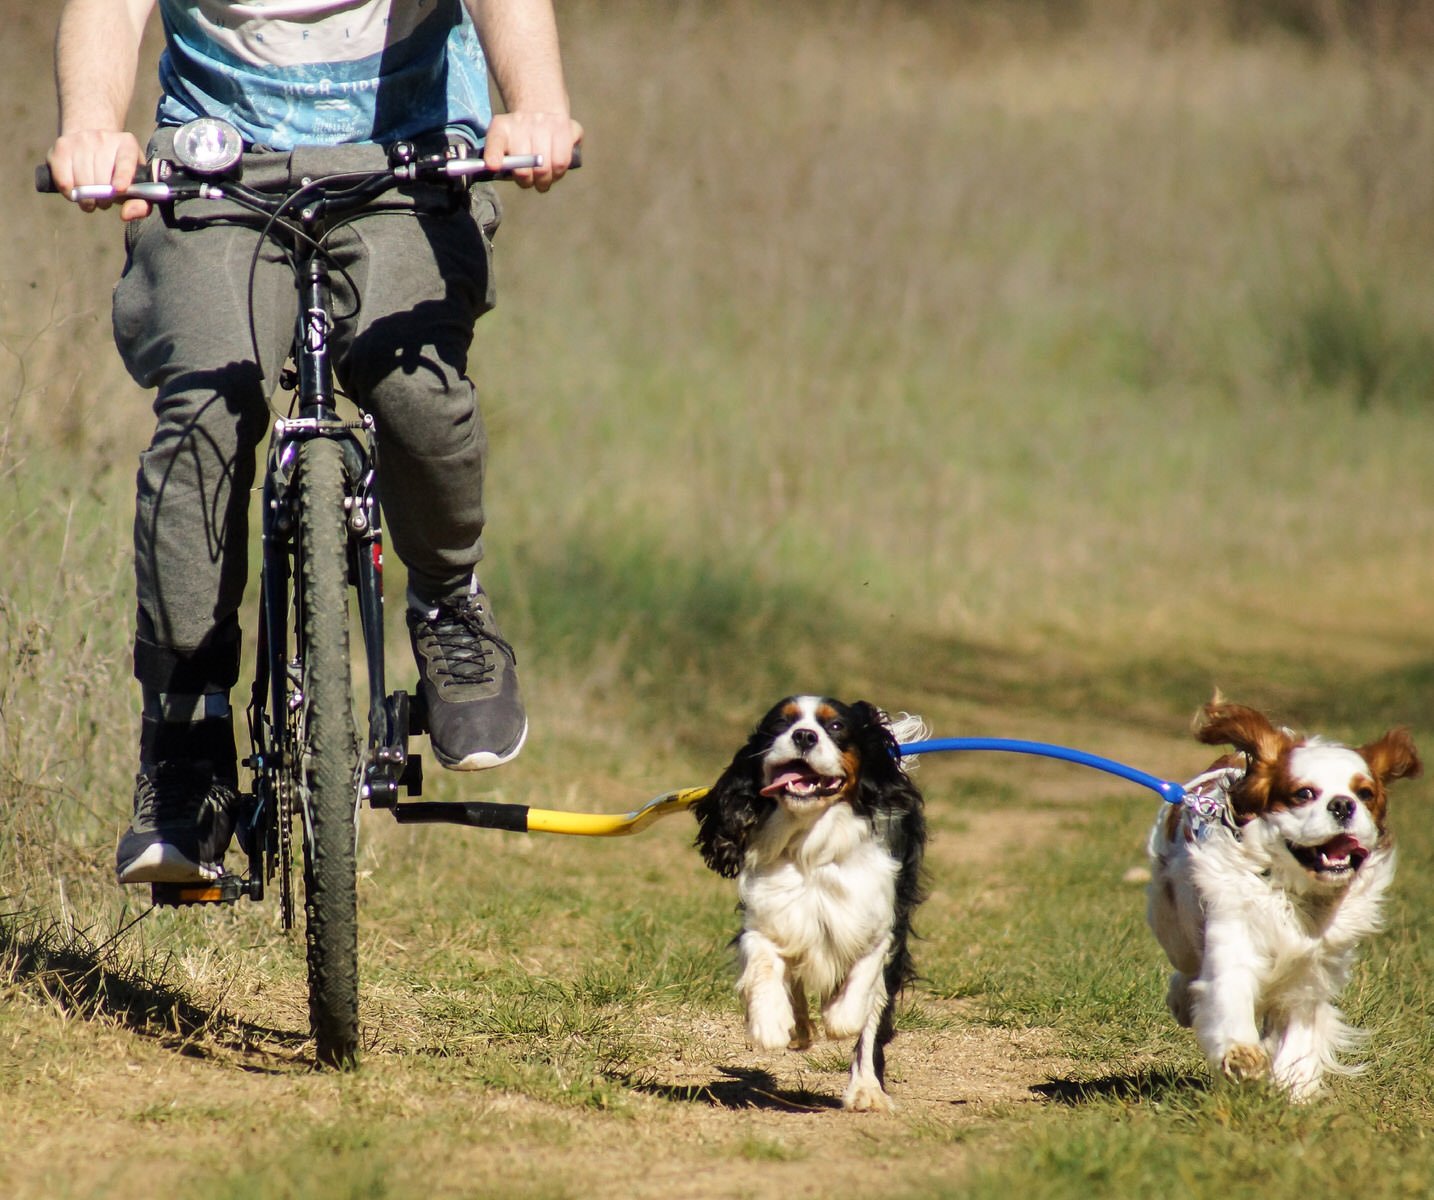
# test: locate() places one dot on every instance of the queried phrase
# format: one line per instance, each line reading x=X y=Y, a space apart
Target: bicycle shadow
x=738 y=1088
x=91 y=983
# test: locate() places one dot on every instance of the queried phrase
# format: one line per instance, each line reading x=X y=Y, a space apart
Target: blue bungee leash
x=1171 y=793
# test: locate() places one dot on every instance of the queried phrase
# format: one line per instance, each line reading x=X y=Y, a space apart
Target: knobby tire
x=327 y=754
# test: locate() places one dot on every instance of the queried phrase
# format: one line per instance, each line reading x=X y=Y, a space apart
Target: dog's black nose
x=804 y=739
x=1342 y=809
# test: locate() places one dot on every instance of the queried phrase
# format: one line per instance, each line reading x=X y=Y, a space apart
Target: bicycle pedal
x=224 y=890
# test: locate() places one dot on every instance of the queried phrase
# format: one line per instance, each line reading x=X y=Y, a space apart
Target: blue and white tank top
x=288 y=73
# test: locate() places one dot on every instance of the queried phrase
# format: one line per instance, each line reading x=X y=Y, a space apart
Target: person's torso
x=324 y=72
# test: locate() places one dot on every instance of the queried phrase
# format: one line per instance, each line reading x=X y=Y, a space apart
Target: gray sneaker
x=468 y=680
x=183 y=820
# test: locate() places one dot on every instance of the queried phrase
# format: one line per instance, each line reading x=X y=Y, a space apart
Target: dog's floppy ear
x=1392 y=757
x=884 y=783
x=1221 y=723
x=880 y=755
x=729 y=812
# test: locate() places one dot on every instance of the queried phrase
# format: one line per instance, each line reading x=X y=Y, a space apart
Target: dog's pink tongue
x=1342 y=846
x=785 y=780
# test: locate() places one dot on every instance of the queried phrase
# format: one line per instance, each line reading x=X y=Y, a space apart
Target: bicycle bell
x=208 y=146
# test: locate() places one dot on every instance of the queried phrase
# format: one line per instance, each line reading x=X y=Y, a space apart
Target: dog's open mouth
x=1342 y=855
x=799 y=781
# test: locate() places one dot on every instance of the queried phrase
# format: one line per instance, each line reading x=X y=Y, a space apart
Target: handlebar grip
x=45 y=182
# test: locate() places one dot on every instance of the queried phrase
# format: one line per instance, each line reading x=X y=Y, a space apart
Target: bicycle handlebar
x=185 y=186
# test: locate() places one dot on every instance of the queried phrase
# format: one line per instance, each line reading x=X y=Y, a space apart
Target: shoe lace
x=466 y=644
x=173 y=789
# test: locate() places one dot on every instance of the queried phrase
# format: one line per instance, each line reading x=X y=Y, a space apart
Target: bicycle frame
x=385 y=762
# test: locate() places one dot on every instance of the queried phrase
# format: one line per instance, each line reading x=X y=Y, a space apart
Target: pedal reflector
x=224 y=890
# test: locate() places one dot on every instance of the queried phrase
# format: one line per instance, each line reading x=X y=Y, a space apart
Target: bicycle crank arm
x=390 y=765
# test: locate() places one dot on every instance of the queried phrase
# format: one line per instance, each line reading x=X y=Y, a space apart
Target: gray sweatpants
x=183 y=313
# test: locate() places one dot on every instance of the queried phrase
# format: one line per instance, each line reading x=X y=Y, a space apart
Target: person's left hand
x=552 y=136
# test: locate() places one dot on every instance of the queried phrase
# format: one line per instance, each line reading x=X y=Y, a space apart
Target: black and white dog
x=817 y=821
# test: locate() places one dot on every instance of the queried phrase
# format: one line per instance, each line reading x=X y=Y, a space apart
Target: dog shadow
x=89 y=982
x=1128 y=1089
x=739 y=1088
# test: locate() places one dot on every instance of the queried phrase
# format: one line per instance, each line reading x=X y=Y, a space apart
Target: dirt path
x=748 y=1124
x=114 y=1109
x=100 y=1106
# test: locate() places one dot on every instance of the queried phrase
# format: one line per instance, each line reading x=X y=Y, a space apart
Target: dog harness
x=1207 y=802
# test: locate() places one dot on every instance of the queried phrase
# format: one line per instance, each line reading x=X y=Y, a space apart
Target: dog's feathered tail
x=907 y=728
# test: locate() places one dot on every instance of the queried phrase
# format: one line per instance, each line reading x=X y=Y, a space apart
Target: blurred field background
x=1032 y=366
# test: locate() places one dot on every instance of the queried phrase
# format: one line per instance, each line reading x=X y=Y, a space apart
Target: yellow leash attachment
x=548 y=820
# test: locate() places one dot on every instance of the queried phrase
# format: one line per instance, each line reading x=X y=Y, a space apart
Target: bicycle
x=321 y=536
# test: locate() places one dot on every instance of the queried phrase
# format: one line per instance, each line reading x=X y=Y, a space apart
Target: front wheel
x=324 y=752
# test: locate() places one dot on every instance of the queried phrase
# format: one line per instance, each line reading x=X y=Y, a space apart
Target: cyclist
x=313 y=86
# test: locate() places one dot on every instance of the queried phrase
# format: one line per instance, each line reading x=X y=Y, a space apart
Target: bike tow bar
x=520 y=818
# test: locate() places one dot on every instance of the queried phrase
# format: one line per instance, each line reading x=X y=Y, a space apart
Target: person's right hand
x=97 y=156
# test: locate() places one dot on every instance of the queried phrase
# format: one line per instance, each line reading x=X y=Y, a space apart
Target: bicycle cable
x=275 y=216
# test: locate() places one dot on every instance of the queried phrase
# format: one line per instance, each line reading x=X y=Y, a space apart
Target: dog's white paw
x=1302 y=1091
x=1245 y=1063
x=767 y=1030
x=863 y=1096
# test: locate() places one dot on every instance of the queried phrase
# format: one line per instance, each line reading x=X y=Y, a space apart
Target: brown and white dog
x=817 y=821
x=1264 y=881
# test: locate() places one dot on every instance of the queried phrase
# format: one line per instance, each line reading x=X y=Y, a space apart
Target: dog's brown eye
x=1305 y=794
x=835 y=726
x=1365 y=793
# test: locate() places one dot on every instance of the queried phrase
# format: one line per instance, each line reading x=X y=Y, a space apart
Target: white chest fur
x=823 y=891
